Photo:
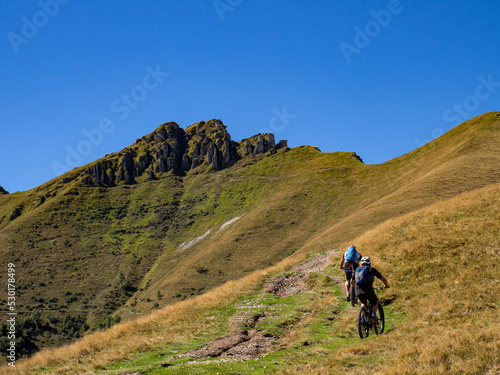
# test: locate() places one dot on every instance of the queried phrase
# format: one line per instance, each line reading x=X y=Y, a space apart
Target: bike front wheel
x=379 y=326
x=381 y=318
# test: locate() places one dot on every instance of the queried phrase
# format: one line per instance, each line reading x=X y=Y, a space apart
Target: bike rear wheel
x=353 y=296
x=363 y=323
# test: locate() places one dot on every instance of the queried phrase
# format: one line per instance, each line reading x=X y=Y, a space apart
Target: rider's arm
x=341 y=265
x=384 y=280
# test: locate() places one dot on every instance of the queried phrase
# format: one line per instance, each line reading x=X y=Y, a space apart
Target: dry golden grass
x=442 y=265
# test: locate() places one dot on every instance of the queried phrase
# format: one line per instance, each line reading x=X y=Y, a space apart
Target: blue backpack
x=351 y=255
x=362 y=277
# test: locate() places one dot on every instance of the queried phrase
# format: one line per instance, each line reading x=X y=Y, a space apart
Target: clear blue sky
x=375 y=77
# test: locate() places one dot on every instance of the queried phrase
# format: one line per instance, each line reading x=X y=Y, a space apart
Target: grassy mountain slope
x=442 y=311
x=463 y=159
x=314 y=190
x=92 y=251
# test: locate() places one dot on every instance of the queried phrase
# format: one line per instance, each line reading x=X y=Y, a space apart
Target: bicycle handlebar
x=379 y=288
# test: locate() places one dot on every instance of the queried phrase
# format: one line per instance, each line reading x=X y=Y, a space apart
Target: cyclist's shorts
x=349 y=272
x=364 y=296
x=348 y=275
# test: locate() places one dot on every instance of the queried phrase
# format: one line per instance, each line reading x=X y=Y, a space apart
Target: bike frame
x=364 y=319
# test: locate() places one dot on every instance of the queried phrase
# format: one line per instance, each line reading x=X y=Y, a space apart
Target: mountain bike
x=352 y=295
x=365 y=321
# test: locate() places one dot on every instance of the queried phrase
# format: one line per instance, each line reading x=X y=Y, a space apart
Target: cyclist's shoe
x=374 y=318
x=348 y=297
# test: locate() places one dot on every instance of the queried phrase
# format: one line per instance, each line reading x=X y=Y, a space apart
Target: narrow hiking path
x=296 y=315
x=245 y=342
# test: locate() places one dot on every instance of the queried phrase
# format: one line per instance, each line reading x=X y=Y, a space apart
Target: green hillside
x=85 y=250
x=441 y=317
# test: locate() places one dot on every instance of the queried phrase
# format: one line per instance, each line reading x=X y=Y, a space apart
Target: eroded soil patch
x=240 y=343
x=285 y=286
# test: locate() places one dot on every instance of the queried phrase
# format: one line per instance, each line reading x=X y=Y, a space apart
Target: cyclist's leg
x=372 y=297
x=348 y=276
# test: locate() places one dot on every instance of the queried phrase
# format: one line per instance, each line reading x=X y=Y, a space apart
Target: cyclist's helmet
x=366 y=261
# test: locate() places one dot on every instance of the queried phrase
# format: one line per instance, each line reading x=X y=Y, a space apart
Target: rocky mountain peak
x=3 y=191
x=171 y=148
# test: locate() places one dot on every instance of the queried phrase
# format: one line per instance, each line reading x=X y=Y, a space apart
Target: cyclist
x=364 y=277
x=349 y=262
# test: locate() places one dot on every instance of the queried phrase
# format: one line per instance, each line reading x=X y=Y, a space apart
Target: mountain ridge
x=102 y=251
x=171 y=148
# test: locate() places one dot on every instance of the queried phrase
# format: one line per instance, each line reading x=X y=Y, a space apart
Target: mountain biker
x=364 y=284
x=349 y=262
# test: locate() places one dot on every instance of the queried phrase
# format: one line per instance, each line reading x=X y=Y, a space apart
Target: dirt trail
x=284 y=286
x=248 y=343
x=317 y=264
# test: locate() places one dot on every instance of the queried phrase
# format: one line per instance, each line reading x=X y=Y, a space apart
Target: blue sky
x=81 y=79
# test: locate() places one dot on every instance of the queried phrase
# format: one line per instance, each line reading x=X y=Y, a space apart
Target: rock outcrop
x=3 y=191
x=171 y=148
x=18 y=211
x=258 y=144
x=208 y=143
x=282 y=144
